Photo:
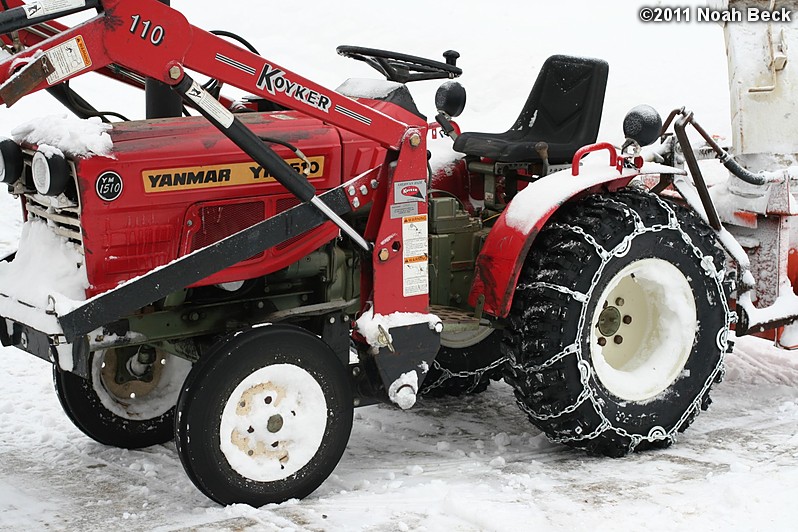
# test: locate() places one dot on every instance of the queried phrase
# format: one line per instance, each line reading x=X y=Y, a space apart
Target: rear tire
x=114 y=407
x=264 y=417
x=619 y=324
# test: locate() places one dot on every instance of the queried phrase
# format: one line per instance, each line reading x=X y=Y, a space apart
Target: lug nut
x=602 y=341
x=618 y=339
x=619 y=301
x=627 y=319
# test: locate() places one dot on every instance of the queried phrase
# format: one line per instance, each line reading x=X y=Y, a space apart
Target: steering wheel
x=403 y=68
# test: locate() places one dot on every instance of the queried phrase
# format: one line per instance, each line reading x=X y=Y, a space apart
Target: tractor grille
x=220 y=221
x=64 y=219
x=61 y=213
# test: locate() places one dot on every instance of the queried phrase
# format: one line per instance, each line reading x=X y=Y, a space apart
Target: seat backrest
x=566 y=101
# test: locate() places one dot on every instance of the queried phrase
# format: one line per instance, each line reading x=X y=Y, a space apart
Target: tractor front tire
x=619 y=324
x=264 y=416
x=117 y=407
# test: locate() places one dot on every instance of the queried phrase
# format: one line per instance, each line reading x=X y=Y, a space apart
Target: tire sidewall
x=87 y=412
x=212 y=382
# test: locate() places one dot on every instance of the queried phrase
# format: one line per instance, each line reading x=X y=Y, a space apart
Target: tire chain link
x=447 y=374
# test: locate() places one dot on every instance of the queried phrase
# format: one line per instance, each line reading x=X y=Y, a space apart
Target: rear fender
x=501 y=258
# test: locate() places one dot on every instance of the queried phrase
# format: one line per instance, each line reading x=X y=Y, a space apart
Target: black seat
x=563 y=109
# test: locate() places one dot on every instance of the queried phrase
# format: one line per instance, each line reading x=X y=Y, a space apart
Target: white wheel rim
x=463 y=339
x=643 y=329
x=273 y=423
x=139 y=400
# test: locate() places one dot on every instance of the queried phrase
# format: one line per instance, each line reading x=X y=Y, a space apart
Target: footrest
x=455 y=319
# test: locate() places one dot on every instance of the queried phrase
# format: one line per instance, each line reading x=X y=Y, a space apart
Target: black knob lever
x=451 y=57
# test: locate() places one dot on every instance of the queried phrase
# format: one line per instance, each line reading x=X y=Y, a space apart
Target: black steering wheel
x=403 y=68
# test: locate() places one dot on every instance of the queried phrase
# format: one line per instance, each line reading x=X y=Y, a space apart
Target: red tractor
x=241 y=280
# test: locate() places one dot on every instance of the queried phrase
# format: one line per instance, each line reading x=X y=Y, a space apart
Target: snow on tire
x=619 y=324
x=264 y=417
x=124 y=403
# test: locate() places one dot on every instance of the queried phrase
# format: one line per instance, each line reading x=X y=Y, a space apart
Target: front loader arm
x=155 y=41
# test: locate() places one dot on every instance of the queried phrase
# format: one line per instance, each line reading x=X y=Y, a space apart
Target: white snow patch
x=71 y=135
x=498 y=462
x=403 y=390
x=49 y=151
x=369 y=324
x=758 y=361
x=444 y=158
x=540 y=198
x=47 y=273
x=413 y=470
x=367 y=88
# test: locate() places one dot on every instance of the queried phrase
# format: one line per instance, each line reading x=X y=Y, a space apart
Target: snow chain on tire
x=451 y=373
x=547 y=342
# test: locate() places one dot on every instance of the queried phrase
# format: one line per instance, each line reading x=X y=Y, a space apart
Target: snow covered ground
x=469 y=464
x=465 y=464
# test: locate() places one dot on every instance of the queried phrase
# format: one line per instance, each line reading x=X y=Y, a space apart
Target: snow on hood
x=71 y=135
x=367 y=88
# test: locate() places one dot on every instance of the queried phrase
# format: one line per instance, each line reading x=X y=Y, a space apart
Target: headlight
x=11 y=164
x=50 y=174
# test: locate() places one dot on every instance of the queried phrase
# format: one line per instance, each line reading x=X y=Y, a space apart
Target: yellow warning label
x=415 y=280
x=68 y=58
x=421 y=218
x=84 y=52
x=221 y=175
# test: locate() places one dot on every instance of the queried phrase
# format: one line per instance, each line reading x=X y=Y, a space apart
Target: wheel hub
x=609 y=321
x=124 y=383
x=273 y=423
x=643 y=329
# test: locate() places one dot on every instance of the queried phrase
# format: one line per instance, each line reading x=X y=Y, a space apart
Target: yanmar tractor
x=241 y=280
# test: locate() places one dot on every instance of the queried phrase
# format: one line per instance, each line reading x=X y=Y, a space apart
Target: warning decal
x=68 y=58
x=210 y=105
x=415 y=280
x=48 y=7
